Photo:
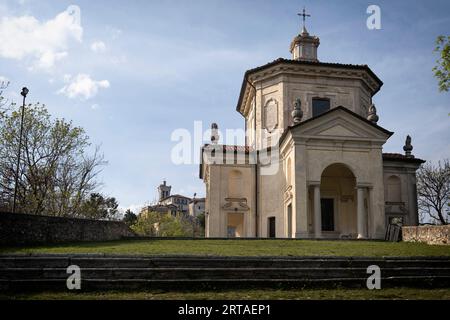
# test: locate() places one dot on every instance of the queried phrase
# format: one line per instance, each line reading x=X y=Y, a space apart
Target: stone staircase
x=103 y=272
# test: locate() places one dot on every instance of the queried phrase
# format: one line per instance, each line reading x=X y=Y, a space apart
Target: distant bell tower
x=304 y=46
x=164 y=190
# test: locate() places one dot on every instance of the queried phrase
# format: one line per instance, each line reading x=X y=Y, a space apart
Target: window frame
x=313 y=99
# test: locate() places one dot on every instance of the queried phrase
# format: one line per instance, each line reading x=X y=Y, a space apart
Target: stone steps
x=100 y=272
x=212 y=284
x=231 y=262
x=215 y=273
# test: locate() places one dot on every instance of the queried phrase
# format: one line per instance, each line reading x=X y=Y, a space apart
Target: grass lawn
x=347 y=294
x=243 y=248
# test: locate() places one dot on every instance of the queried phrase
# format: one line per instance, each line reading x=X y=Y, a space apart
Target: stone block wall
x=18 y=229
x=427 y=234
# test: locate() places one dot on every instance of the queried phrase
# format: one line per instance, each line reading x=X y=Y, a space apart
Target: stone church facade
x=327 y=176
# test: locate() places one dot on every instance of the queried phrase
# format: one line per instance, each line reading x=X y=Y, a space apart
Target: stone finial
x=408 y=147
x=297 y=113
x=214 y=133
x=373 y=117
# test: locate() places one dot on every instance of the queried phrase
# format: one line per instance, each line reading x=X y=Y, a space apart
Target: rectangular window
x=319 y=106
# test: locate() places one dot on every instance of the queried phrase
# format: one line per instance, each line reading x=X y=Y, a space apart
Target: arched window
x=394 y=189
x=235 y=184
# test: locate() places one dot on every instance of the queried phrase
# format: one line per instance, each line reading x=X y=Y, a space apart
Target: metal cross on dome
x=304 y=15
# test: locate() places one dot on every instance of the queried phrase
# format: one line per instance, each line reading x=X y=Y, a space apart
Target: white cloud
x=44 y=43
x=98 y=46
x=95 y=106
x=3 y=79
x=82 y=86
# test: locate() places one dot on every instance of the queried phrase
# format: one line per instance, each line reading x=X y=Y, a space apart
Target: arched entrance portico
x=338 y=204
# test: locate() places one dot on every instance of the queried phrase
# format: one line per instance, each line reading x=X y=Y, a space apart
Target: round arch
x=345 y=166
x=338 y=201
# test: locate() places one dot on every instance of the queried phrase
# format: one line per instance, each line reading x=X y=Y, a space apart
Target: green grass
x=243 y=248
x=348 y=294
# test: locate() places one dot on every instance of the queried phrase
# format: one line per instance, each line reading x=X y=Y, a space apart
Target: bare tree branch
x=433 y=189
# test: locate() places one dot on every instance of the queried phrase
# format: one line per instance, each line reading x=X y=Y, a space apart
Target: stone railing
x=427 y=234
x=18 y=229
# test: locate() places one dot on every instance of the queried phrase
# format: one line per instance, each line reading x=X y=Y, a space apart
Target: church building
x=327 y=175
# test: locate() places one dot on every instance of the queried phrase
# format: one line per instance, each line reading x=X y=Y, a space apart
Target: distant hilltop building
x=332 y=179
x=164 y=191
x=176 y=203
x=196 y=206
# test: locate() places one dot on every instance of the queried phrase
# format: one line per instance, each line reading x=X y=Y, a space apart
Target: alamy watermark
x=374 y=280
x=73 y=282
x=232 y=146
x=75 y=12
x=373 y=22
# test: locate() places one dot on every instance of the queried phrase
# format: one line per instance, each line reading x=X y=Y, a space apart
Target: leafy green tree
x=171 y=226
x=201 y=220
x=146 y=224
x=161 y=225
x=442 y=68
x=56 y=172
x=129 y=218
x=99 y=207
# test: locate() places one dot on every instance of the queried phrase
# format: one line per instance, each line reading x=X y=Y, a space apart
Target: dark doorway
x=327 y=207
x=271 y=227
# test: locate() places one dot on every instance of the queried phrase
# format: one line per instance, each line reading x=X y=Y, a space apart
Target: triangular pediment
x=339 y=130
x=340 y=124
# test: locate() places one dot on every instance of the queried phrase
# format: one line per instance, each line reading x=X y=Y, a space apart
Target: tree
x=433 y=189
x=442 y=68
x=157 y=224
x=129 y=218
x=56 y=171
x=201 y=220
x=147 y=224
x=99 y=207
x=171 y=226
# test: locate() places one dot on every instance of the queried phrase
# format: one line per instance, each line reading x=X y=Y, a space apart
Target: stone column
x=361 y=214
x=317 y=212
x=412 y=200
x=370 y=231
x=300 y=217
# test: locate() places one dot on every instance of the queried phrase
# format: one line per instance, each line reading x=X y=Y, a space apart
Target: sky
x=133 y=72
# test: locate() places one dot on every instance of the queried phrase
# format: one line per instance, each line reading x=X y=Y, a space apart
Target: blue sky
x=133 y=72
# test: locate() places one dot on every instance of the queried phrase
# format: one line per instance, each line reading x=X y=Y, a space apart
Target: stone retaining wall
x=427 y=234
x=18 y=229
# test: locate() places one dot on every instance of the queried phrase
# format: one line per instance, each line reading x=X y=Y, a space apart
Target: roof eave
x=245 y=81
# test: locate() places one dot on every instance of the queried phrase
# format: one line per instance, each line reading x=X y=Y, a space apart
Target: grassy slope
x=348 y=294
x=242 y=247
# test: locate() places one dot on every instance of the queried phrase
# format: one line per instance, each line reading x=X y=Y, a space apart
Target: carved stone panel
x=236 y=204
x=271 y=115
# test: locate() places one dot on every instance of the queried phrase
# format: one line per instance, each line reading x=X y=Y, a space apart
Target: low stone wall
x=18 y=229
x=427 y=234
